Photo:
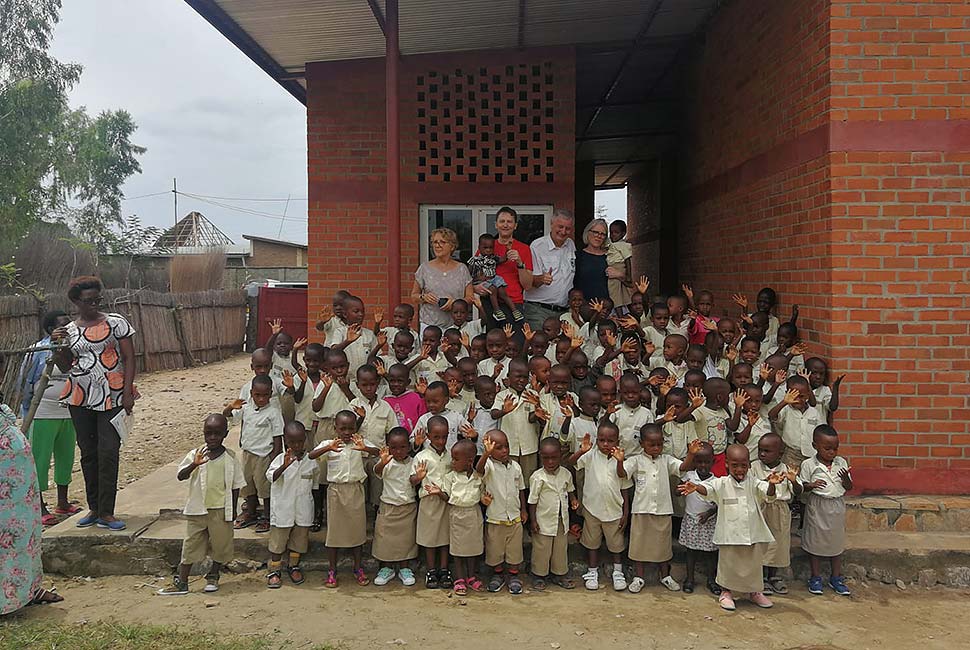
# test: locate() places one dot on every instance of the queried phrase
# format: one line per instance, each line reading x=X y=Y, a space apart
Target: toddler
x=496 y=365
x=395 y=531
x=482 y=268
x=353 y=339
x=796 y=421
x=630 y=416
x=516 y=416
x=778 y=512
x=505 y=514
x=407 y=404
x=825 y=399
x=375 y=419
x=292 y=475
x=551 y=497
x=697 y=527
x=431 y=464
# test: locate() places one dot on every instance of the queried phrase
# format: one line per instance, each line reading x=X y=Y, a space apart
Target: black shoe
x=444 y=579
x=687 y=587
x=714 y=587
x=431 y=580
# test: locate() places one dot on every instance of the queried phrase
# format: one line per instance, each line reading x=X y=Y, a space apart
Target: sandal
x=687 y=587
x=46 y=597
x=563 y=582
x=296 y=574
x=778 y=585
x=538 y=584
x=331 y=579
x=714 y=588
x=262 y=526
x=444 y=579
x=244 y=521
x=49 y=520
x=431 y=579
x=515 y=584
x=71 y=509
x=317 y=525
x=274 y=580
x=362 y=579
x=475 y=584
x=459 y=587
x=576 y=530
x=496 y=582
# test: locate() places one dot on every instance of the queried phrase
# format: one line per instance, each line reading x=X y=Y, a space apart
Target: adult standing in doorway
x=591 y=261
x=440 y=281
x=517 y=268
x=100 y=362
x=554 y=261
x=51 y=432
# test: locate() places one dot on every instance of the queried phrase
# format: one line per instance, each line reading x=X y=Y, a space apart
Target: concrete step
x=908 y=514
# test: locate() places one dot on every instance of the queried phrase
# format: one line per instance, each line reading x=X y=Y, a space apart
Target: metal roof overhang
x=628 y=53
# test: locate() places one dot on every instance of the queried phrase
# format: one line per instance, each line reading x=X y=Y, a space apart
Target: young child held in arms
x=505 y=514
x=293 y=476
x=215 y=477
x=740 y=533
x=482 y=268
x=396 y=527
x=825 y=478
x=462 y=490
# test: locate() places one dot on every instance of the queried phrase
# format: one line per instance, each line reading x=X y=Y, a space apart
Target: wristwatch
x=520 y=265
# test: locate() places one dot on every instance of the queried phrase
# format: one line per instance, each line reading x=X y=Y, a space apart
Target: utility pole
x=175 y=197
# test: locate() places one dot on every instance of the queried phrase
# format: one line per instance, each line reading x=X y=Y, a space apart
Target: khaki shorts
x=595 y=530
x=295 y=539
x=549 y=554
x=208 y=535
x=254 y=471
x=503 y=543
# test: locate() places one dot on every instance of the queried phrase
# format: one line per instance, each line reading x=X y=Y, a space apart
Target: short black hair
x=262 y=380
x=619 y=224
x=83 y=283
x=50 y=319
x=437 y=385
x=486 y=237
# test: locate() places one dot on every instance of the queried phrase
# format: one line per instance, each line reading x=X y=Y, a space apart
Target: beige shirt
x=797 y=428
x=739 y=518
x=813 y=469
x=602 y=496
x=823 y=399
x=259 y=427
x=438 y=466
x=487 y=367
x=761 y=428
x=673 y=328
x=523 y=435
x=344 y=466
x=430 y=367
x=396 y=478
x=358 y=351
x=678 y=436
x=455 y=422
x=379 y=419
x=463 y=489
x=677 y=370
x=651 y=483
x=656 y=337
x=292 y=493
x=783 y=490
x=629 y=420
x=550 y=404
x=579 y=426
x=335 y=401
x=231 y=476
x=504 y=482
x=711 y=425
x=549 y=492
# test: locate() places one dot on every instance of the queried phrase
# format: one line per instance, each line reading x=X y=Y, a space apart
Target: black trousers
x=99 y=444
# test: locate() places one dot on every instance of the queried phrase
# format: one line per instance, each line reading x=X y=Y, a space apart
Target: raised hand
x=380 y=367
x=534 y=382
x=753 y=418
x=740 y=398
x=695 y=446
x=385 y=455
x=617 y=454
x=586 y=444
x=567 y=329
x=687 y=292
x=381 y=340
x=465 y=341
x=508 y=330
x=692 y=314
x=542 y=414
x=288 y=457
x=610 y=338
x=359 y=444
x=747 y=319
x=421 y=470
x=596 y=305
x=444 y=346
x=235 y=404
x=531 y=398
x=629 y=345
x=611 y=409
x=421 y=386
x=838 y=380
x=764 y=372
x=791 y=396
x=425 y=351
x=420 y=437
x=643 y=284
x=468 y=431
x=776 y=477
x=325 y=313
x=740 y=300
x=287 y=379
x=276 y=325
x=566 y=410
x=472 y=413
x=649 y=348
x=804 y=373
x=576 y=342
x=627 y=322
x=433 y=490
x=336 y=445
x=670 y=414
x=686 y=488
x=359 y=411
x=301 y=373
x=300 y=343
x=527 y=332
x=798 y=349
x=499 y=367
x=656 y=380
x=696 y=397
x=844 y=473
x=454 y=387
x=667 y=384
x=353 y=333
x=327 y=379
x=489 y=445
x=509 y=404
x=201 y=456
x=378 y=317
x=731 y=353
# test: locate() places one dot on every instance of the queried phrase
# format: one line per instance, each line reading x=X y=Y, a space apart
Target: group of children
x=625 y=426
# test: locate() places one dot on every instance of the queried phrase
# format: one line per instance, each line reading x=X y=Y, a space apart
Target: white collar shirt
x=199 y=478
x=292 y=493
x=549 y=493
x=504 y=482
x=562 y=261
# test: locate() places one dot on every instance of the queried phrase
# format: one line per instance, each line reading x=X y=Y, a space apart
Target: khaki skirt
x=395 y=533
x=823 y=534
x=650 y=538
x=432 y=527
x=778 y=517
x=465 y=535
x=346 y=524
x=739 y=567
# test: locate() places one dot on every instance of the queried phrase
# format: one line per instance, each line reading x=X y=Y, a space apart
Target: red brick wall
x=347 y=164
x=843 y=184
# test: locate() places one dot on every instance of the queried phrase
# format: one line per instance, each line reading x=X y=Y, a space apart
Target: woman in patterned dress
x=100 y=361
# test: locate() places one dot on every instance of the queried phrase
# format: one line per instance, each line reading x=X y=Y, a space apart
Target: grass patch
x=28 y=635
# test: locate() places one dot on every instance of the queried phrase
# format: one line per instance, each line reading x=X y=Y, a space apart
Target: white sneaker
x=619 y=581
x=385 y=575
x=407 y=577
x=592 y=579
x=670 y=583
x=636 y=585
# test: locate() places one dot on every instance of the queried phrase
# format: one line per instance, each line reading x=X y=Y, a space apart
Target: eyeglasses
x=598 y=233
x=92 y=302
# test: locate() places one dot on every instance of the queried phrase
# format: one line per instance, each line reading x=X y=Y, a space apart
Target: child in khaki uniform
x=551 y=497
x=293 y=477
x=395 y=531
x=214 y=477
x=778 y=512
x=506 y=512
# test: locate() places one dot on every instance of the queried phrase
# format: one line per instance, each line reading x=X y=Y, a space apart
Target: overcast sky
x=207 y=114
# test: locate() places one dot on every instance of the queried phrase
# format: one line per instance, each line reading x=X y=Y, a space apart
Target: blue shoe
x=117 y=524
x=815 y=585
x=838 y=585
x=87 y=521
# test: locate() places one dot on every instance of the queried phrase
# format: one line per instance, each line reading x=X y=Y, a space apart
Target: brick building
x=821 y=147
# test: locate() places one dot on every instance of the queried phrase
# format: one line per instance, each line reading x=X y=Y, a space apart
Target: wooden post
x=180 y=334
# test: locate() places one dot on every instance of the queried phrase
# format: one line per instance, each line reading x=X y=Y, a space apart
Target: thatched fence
x=173 y=330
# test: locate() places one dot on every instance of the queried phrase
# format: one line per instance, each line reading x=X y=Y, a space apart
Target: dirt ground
x=351 y=617
x=168 y=418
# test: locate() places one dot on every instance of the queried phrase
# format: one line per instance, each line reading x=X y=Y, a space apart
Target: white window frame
x=479 y=219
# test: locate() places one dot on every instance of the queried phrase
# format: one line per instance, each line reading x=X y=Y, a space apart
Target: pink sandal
x=71 y=509
x=362 y=579
x=459 y=588
x=475 y=584
x=49 y=520
x=331 y=581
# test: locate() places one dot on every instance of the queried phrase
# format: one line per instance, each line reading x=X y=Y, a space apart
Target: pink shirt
x=408 y=407
x=698 y=332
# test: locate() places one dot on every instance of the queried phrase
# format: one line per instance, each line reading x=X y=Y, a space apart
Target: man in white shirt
x=554 y=264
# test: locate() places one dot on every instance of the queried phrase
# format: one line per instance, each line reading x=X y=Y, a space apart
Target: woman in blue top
x=591 y=262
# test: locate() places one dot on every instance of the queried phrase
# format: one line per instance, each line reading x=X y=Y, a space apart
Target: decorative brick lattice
x=490 y=124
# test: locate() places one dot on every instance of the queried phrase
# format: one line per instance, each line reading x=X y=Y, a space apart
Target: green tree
x=55 y=162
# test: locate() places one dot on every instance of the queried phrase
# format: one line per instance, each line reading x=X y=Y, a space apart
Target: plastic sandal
x=362 y=579
x=431 y=579
x=496 y=582
x=538 y=584
x=71 y=509
x=563 y=582
x=459 y=587
x=296 y=574
x=49 y=520
x=444 y=578
x=274 y=580
x=515 y=584
x=331 y=579
x=475 y=584
x=262 y=526
x=244 y=521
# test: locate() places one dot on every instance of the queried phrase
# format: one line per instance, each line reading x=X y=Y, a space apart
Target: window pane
x=459 y=220
x=530 y=226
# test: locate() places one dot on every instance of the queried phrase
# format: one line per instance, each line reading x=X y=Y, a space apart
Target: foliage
x=601 y=213
x=49 y=635
x=54 y=161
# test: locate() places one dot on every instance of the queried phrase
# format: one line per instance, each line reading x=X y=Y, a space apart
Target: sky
x=206 y=113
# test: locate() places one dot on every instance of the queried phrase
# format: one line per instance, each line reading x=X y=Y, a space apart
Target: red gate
x=284 y=303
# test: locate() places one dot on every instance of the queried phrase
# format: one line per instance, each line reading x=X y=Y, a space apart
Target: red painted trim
x=911 y=481
x=903 y=135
